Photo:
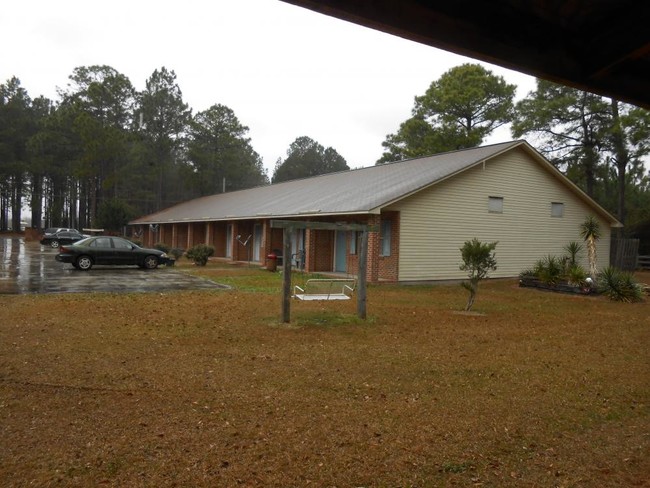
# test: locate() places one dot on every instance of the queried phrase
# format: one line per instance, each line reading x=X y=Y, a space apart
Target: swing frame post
x=362 y=277
x=286 y=274
x=288 y=226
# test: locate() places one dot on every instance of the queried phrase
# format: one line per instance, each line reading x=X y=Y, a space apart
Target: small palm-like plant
x=590 y=232
x=573 y=249
x=549 y=270
x=478 y=261
x=619 y=286
x=577 y=276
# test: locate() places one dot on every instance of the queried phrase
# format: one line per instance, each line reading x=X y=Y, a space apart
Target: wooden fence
x=643 y=262
x=624 y=254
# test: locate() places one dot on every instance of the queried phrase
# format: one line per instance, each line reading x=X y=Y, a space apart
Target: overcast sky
x=285 y=71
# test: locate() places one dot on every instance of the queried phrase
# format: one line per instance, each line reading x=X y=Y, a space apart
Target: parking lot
x=29 y=267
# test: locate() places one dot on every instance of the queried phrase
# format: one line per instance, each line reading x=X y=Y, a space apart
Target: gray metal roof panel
x=359 y=191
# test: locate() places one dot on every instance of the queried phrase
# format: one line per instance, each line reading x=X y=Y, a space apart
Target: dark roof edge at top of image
x=597 y=46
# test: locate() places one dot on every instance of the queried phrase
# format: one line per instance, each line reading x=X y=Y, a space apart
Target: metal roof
x=361 y=191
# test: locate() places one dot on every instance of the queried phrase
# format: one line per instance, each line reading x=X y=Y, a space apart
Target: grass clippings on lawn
x=210 y=389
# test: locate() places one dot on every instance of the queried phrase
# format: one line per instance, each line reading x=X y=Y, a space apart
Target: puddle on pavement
x=28 y=267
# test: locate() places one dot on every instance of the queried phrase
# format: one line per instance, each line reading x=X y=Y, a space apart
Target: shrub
x=573 y=249
x=619 y=286
x=176 y=252
x=549 y=270
x=200 y=254
x=577 y=276
x=528 y=273
x=161 y=246
x=478 y=261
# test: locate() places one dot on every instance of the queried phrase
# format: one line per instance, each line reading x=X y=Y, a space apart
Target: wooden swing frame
x=288 y=226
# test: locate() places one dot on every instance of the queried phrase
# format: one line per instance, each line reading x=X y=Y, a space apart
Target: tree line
x=104 y=153
x=600 y=144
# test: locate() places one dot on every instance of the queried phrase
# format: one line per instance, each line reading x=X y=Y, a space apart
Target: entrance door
x=257 y=241
x=340 y=249
x=298 y=248
x=229 y=241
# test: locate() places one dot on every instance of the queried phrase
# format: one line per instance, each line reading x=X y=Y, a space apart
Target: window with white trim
x=495 y=204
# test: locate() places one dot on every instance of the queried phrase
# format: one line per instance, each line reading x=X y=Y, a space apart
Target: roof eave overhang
x=265 y=216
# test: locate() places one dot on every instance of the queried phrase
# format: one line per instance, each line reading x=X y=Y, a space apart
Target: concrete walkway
x=28 y=267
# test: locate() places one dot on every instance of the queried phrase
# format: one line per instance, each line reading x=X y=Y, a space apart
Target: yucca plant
x=573 y=249
x=619 y=286
x=590 y=232
x=549 y=270
x=577 y=276
x=478 y=261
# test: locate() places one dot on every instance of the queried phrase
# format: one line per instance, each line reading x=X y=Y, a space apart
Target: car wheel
x=54 y=244
x=84 y=263
x=151 y=262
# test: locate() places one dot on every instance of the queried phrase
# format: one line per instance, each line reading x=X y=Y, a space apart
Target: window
x=384 y=236
x=101 y=242
x=557 y=209
x=120 y=244
x=495 y=204
x=355 y=242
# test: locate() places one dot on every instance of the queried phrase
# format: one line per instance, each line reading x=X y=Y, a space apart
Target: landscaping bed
x=562 y=287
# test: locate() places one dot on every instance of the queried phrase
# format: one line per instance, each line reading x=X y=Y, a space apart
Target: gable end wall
x=435 y=222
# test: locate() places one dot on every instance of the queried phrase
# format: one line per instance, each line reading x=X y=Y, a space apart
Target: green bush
x=200 y=254
x=577 y=276
x=549 y=270
x=619 y=285
x=161 y=246
x=573 y=250
x=176 y=252
x=478 y=261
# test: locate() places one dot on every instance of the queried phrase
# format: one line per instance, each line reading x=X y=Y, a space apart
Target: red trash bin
x=272 y=262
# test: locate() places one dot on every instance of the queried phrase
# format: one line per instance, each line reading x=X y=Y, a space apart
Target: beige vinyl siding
x=435 y=222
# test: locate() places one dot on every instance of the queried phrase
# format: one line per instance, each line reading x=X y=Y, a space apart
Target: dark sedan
x=61 y=237
x=86 y=253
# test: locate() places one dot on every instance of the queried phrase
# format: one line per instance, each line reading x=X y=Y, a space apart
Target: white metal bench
x=325 y=289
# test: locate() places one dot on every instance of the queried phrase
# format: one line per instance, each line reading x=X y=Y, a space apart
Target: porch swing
x=336 y=288
x=320 y=288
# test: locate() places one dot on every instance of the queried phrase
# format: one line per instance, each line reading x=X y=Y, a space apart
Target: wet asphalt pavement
x=29 y=267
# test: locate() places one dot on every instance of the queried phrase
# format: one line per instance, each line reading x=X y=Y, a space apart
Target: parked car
x=86 y=253
x=67 y=236
x=54 y=230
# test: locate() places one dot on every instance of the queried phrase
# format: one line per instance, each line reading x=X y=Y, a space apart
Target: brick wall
x=218 y=239
x=389 y=265
x=322 y=244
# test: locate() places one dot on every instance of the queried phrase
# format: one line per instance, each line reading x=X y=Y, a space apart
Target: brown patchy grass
x=209 y=389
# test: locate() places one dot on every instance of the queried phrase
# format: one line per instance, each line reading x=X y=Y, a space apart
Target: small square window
x=495 y=204
x=557 y=209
